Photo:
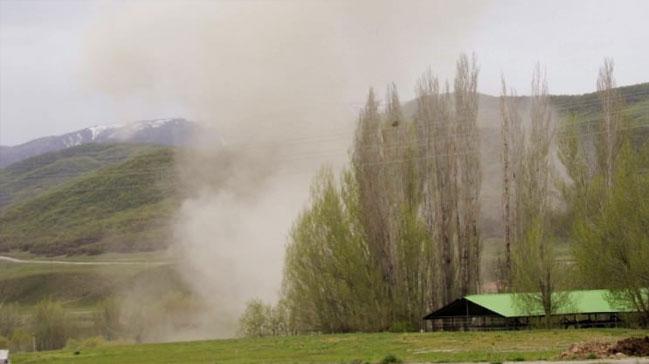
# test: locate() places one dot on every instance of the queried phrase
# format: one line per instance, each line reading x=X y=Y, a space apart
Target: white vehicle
x=4 y=357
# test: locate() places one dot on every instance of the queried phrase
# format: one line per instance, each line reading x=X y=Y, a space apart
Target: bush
x=402 y=326
x=260 y=319
x=10 y=319
x=51 y=327
x=107 y=320
x=21 y=340
x=88 y=343
x=255 y=319
x=391 y=359
x=4 y=342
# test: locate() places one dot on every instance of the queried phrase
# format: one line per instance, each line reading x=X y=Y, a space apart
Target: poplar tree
x=513 y=144
x=470 y=175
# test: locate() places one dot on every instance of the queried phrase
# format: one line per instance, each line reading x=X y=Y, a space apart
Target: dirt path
x=70 y=262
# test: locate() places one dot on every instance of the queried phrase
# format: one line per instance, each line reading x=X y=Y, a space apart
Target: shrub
x=10 y=319
x=255 y=319
x=51 y=327
x=260 y=319
x=21 y=340
x=391 y=359
x=88 y=343
x=403 y=326
x=107 y=319
x=4 y=342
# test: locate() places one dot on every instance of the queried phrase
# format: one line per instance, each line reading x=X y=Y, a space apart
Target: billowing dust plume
x=276 y=86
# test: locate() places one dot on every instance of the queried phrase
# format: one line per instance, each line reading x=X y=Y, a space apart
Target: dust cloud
x=276 y=85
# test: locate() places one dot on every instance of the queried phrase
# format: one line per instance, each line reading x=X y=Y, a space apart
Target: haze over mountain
x=172 y=131
x=76 y=186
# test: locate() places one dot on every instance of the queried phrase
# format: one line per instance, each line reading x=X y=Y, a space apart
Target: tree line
x=396 y=234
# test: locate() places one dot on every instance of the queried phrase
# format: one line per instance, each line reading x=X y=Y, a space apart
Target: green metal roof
x=579 y=302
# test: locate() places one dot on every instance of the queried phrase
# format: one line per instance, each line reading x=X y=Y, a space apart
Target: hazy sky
x=48 y=50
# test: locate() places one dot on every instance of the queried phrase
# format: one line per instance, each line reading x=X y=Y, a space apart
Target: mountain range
x=170 y=132
x=114 y=188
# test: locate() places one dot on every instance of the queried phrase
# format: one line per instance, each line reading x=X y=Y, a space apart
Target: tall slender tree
x=368 y=160
x=610 y=141
x=439 y=167
x=470 y=175
x=512 y=139
x=538 y=276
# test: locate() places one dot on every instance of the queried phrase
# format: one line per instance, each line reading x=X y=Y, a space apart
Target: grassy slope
x=35 y=175
x=345 y=348
x=588 y=104
x=635 y=101
x=121 y=207
x=82 y=286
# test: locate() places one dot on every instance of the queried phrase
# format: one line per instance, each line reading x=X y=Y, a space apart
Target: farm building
x=591 y=308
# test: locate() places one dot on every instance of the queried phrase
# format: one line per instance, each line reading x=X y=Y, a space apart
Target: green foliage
x=38 y=174
x=123 y=207
x=588 y=108
x=50 y=325
x=390 y=358
x=254 y=321
x=261 y=319
x=612 y=243
x=415 y=273
x=539 y=278
x=331 y=283
x=10 y=318
x=403 y=326
x=88 y=343
x=21 y=341
x=107 y=319
x=361 y=257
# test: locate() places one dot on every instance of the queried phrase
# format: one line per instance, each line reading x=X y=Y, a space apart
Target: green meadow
x=497 y=346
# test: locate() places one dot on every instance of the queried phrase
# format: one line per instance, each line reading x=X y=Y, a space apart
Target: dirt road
x=71 y=262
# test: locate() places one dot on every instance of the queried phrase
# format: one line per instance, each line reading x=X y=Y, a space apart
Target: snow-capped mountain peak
x=97 y=130
x=168 y=131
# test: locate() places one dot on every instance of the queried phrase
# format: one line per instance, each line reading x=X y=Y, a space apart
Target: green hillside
x=587 y=108
x=635 y=97
x=95 y=198
x=37 y=174
x=123 y=208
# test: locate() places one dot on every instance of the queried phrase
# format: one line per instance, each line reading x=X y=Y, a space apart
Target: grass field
x=345 y=348
x=76 y=284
